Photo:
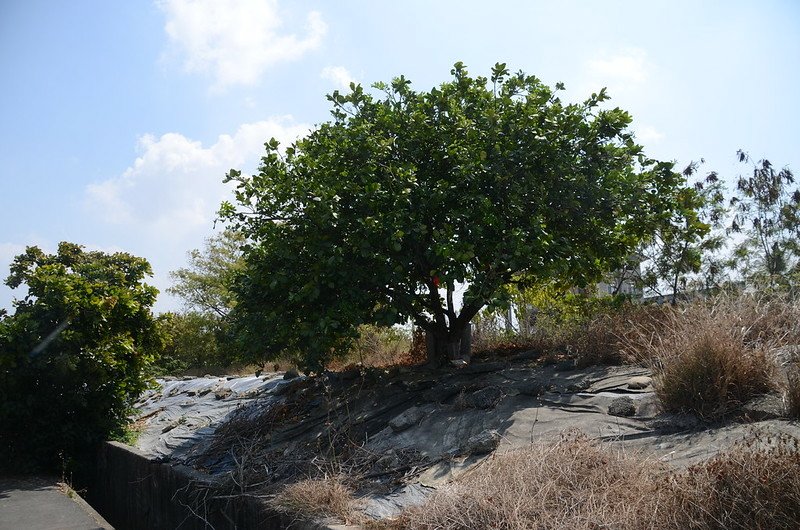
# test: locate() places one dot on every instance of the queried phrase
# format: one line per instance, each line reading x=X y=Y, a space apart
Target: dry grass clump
x=572 y=484
x=711 y=356
x=376 y=347
x=792 y=394
x=711 y=375
x=317 y=498
x=576 y=484
x=754 y=485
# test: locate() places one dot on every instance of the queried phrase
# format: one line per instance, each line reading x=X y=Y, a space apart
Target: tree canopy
x=73 y=355
x=681 y=255
x=767 y=211
x=205 y=285
x=378 y=214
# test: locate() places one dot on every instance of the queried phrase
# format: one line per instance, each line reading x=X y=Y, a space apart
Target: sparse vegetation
x=577 y=484
x=317 y=497
x=710 y=356
x=377 y=346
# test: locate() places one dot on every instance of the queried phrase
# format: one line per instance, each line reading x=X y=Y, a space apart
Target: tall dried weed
x=711 y=356
x=577 y=484
x=317 y=498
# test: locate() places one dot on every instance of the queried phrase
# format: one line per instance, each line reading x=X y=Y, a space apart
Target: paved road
x=36 y=503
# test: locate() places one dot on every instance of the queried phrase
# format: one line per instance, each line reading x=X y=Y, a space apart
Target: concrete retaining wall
x=133 y=492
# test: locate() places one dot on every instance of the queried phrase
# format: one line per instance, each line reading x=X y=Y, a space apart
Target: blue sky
x=120 y=118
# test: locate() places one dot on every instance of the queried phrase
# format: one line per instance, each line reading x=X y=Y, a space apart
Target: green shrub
x=74 y=354
x=192 y=340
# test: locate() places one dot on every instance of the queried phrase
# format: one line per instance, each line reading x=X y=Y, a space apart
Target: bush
x=74 y=354
x=315 y=498
x=191 y=340
x=709 y=357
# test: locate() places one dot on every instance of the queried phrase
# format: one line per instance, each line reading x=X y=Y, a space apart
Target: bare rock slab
x=481 y=444
x=407 y=419
x=486 y=398
x=639 y=382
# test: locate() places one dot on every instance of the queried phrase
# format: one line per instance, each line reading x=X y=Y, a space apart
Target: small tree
x=201 y=336
x=681 y=253
x=376 y=216
x=767 y=211
x=73 y=356
x=205 y=286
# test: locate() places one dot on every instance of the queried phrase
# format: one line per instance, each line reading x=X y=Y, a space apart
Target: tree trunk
x=444 y=346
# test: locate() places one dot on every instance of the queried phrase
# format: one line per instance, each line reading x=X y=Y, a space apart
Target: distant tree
x=191 y=340
x=767 y=212
x=205 y=285
x=681 y=254
x=74 y=353
x=377 y=215
x=201 y=336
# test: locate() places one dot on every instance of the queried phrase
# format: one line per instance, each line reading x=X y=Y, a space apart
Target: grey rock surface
x=639 y=382
x=485 y=398
x=408 y=418
x=481 y=444
x=410 y=411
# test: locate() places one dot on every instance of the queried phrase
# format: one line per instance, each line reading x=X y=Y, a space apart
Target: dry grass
x=576 y=484
x=755 y=485
x=711 y=356
x=792 y=393
x=572 y=484
x=317 y=498
x=711 y=375
x=376 y=347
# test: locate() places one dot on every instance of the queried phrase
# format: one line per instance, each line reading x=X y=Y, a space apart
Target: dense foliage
x=200 y=337
x=191 y=340
x=377 y=215
x=73 y=354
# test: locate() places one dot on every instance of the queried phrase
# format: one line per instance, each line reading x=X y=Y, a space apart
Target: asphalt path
x=39 y=503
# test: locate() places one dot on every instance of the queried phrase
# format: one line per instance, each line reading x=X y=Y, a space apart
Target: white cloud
x=630 y=66
x=175 y=185
x=8 y=251
x=338 y=75
x=165 y=203
x=648 y=134
x=236 y=41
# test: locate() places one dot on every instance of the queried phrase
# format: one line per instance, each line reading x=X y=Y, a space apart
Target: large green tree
x=378 y=214
x=74 y=353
